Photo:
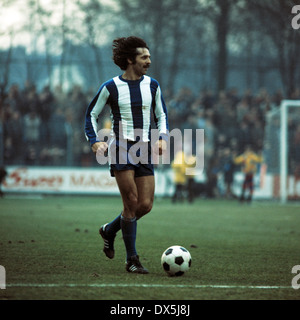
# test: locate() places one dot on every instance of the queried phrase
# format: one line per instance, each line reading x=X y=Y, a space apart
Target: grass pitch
x=51 y=249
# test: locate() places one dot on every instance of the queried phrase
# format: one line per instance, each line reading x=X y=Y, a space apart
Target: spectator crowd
x=47 y=127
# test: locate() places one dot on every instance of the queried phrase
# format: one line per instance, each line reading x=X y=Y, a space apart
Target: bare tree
x=93 y=21
x=148 y=19
x=220 y=14
x=275 y=23
x=167 y=26
x=222 y=31
x=4 y=80
x=43 y=16
x=6 y=57
x=63 y=28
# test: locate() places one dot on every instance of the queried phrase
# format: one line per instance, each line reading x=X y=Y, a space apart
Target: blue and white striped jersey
x=131 y=104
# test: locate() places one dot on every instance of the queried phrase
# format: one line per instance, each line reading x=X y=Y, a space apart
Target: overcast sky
x=14 y=17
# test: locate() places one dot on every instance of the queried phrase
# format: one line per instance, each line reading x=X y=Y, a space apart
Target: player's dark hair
x=125 y=48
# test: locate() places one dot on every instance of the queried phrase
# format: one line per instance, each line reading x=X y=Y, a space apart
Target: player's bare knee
x=131 y=202
x=144 y=207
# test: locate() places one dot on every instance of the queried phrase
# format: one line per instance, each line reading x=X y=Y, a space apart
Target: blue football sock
x=113 y=227
x=129 y=227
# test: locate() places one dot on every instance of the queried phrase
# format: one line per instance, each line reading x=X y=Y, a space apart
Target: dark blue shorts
x=130 y=155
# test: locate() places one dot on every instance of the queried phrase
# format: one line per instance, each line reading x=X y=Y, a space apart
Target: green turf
x=54 y=241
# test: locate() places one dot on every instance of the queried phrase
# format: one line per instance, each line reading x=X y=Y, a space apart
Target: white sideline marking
x=125 y=285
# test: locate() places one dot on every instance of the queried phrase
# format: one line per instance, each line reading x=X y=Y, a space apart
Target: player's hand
x=160 y=146
x=99 y=147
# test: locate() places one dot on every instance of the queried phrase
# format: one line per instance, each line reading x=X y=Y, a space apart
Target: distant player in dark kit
x=249 y=160
x=132 y=97
x=3 y=174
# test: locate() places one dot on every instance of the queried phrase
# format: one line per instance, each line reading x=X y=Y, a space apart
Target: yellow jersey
x=179 y=165
x=249 y=161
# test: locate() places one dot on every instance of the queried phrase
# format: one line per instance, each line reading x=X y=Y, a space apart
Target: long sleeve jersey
x=131 y=103
x=249 y=161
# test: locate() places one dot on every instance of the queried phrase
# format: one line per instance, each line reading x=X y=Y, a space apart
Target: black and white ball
x=176 y=260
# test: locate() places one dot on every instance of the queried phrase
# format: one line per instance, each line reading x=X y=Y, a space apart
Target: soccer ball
x=176 y=260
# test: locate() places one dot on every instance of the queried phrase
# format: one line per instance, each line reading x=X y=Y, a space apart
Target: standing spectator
x=208 y=100
x=257 y=135
x=212 y=170
x=77 y=102
x=228 y=168
x=13 y=131
x=45 y=109
x=32 y=126
x=210 y=134
x=14 y=98
x=242 y=109
x=277 y=98
x=57 y=137
x=190 y=160
x=244 y=136
x=31 y=98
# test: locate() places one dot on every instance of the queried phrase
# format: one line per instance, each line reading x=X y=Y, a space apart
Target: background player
x=131 y=96
x=249 y=161
x=183 y=182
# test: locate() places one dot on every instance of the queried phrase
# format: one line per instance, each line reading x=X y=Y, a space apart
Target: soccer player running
x=249 y=160
x=132 y=97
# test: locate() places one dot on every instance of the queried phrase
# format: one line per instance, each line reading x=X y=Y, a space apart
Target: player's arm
x=91 y=119
x=259 y=158
x=238 y=160
x=161 y=120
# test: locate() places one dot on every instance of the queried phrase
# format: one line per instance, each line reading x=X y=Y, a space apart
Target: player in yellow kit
x=178 y=166
x=182 y=180
x=249 y=160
